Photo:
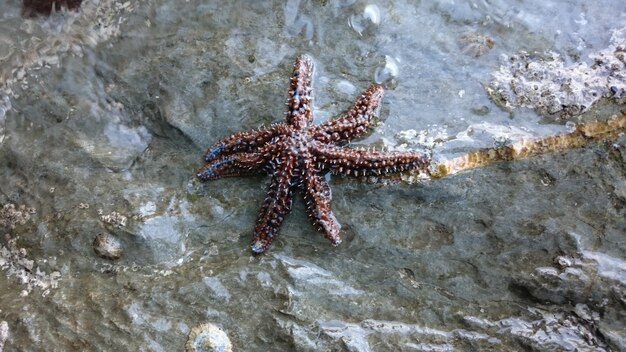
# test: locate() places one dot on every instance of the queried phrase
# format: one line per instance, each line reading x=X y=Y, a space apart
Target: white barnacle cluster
x=41 y=44
x=115 y=219
x=15 y=262
x=551 y=87
x=10 y=215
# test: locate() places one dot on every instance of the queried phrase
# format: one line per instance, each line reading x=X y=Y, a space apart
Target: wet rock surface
x=105 y=113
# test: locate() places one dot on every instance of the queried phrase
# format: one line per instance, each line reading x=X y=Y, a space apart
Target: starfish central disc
x=297 y=155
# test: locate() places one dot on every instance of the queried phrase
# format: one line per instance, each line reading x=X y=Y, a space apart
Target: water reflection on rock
x=104 y=115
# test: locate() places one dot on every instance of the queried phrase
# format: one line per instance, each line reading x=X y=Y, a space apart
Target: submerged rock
x=208 y=337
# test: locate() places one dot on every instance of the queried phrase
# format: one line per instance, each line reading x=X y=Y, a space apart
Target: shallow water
x=105 y=114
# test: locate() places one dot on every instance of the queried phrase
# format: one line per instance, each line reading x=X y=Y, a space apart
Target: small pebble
x=107 y=246
x=475 y=44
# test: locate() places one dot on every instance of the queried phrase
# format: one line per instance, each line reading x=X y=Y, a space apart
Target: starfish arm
x=276 y=206
x=359 y=162
x=354 y=122
x=238 y=164
x=243 y=141
x=299 y=109
x=317 y=196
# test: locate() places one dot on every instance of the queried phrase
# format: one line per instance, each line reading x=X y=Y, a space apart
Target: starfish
x=297 y=155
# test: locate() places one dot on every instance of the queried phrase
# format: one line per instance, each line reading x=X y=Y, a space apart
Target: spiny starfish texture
x=297 y=155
